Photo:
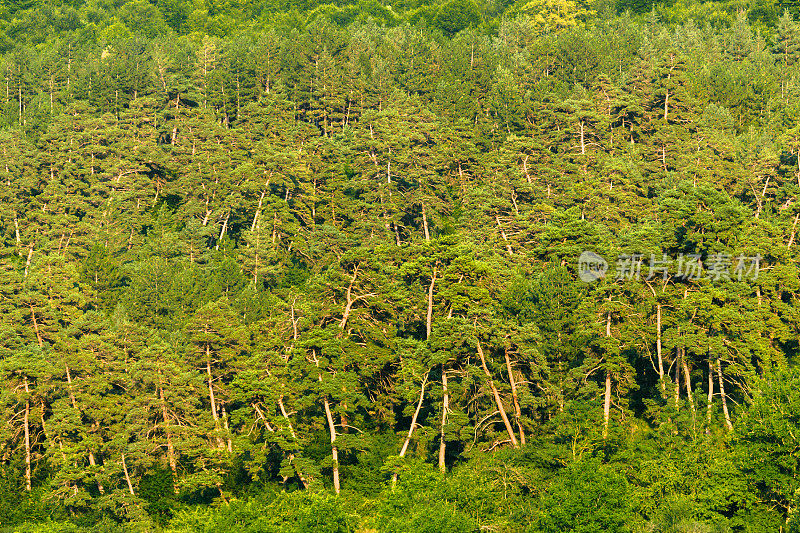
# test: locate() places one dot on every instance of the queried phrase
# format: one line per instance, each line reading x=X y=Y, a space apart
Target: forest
x=294 y=266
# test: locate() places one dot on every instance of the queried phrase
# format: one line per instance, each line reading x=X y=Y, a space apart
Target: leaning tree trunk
x=413 y=425
x=515 y=397
x=497 y=399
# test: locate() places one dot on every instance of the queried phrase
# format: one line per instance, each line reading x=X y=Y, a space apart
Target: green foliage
x=457 y=15
x=586 y=497
x=307 y=266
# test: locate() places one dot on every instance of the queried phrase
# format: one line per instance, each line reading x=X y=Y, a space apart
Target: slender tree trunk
x=413 y=425
x=445 y=407
x=583 y=141
x=331 y=427
x=258 y=209
x=425 y=223
x=678 y=379
x=211 y=396
x=710 y=392
x=222 y=230
x=36 y=326
x=28 y=262
x=334 y=447
x=525 y=169
x=497 y=399
x=515 y=397
x=89 y=452
x=794 y=228
x=227 y=428
x=607 y=397
x=687 y=378
x=285 y=415
x=658 y=349
x=722 y=395
x=127 y=476
x=429 y=317
x=503 y=234
x=16 y=229
x=26 y=422
x=173 y=465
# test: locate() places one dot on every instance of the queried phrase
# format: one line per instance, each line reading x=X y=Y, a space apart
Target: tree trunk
x=658 y=349
x=36 y=326
x=710 y=392
x=173 y=465
x=26 y=422
x=503 y=234
x=687 y=378
x=334 y=447
x=724 y=398
x=425 y=223
x=497 y=399
x=794 y=228
x=211 y=397
x=222 y=230
x=413 y=425
x=607 y=404
x=429 y=317
x=515 y=397
x=127 y=476
x=89 y=453
x=678 y=379
x=282 y=407
x=607 y=397
x=445 y=406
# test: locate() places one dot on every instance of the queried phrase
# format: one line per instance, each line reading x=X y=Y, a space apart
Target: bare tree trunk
x=16 y=229
x=583 y=142
x=724 y=398
x=515 y=397
x=710 y=392
x=413 y=425
x=503 y=234
x=794 y=228
x=222 y=230
x=282 y=407
x=687 y=378
x=425 y=223
x=658 y=349
x=497 y=399
x=89 y=453
x=445 y=407
x=28 y=261
x=26 y=421
x=607 y=397
x=173 y=465
x=429 y=317
x=525 y=168
x=678 y=379
x=127 y=476
x=211 y=396
x=334 y=447
x=36 y=326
